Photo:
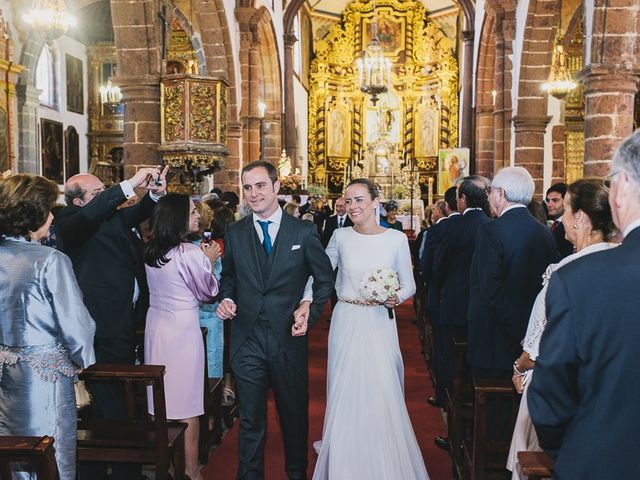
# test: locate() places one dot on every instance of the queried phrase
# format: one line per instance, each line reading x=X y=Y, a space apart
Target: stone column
x=609 y=96
x=290 y=138
x=529 y=131
x=28 y=158
x=141 y=98
x=466 y=117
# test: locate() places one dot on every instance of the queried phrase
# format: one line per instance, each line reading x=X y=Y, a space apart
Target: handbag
x=83 y=397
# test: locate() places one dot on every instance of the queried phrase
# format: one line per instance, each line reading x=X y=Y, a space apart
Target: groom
x=268 y=258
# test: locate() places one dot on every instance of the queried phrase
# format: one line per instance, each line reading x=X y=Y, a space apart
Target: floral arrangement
x=291 y=183
x=314 y=189
x=379 y=285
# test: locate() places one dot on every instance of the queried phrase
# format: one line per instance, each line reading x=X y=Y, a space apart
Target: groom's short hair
x=271 y=170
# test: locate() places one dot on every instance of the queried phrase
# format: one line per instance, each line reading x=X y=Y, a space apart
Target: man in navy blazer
x=452 y=265
x=510 y=257
x=583 y=398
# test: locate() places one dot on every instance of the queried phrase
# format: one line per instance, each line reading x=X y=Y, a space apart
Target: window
x=45 y=78
x=297 y=47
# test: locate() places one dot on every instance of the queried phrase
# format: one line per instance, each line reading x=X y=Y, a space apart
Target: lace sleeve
x=538 y=318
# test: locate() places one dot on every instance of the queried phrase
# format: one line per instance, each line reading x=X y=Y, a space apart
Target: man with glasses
x=555 y=206
x=583 y=398
x=106 y=252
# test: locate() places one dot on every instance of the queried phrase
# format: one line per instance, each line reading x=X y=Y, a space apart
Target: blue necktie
x=264 y=224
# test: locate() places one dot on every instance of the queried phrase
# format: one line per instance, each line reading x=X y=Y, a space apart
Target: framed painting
x=71 y=153
x=75 y=85
x=51 y=146
x=453 y=166
x=391 y=33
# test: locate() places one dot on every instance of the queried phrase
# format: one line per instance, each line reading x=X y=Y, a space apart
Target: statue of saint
x=284 y=164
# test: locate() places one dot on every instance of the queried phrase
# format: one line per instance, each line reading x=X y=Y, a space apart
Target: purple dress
x=172 y=335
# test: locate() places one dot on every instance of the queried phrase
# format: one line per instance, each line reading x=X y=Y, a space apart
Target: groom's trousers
x=260 y=363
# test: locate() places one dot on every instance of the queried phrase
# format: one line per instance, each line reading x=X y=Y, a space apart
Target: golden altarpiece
x=396 y=141
x=9 y=72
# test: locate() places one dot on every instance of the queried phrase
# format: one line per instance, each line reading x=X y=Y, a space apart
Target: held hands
x=392 y=302
x=226 y=310
x=211 y=250
x=301 y=319
x=151 y=178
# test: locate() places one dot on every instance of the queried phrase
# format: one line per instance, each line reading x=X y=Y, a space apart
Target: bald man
x=106 y=252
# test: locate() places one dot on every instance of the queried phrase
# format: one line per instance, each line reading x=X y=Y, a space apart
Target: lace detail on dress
x=47 y=361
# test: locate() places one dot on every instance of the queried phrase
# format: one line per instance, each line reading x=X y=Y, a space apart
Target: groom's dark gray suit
x=263 y=353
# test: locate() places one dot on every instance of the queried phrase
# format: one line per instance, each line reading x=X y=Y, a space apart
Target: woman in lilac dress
x=180 y=275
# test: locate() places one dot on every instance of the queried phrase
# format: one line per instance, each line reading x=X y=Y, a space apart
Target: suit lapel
x=280 y=251
x=251 y=248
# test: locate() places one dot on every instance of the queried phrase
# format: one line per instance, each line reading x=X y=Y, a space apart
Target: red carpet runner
x=427 y=420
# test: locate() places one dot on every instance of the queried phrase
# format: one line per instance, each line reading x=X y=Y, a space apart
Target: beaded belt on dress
x=359 y=301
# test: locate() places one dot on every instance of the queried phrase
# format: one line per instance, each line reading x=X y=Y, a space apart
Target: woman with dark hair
x=587 y=215
x=180 y=276
x=367 y=431
x=46 y=332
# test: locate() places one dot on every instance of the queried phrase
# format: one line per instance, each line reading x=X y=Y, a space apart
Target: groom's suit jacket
x=584 y=392
x=270 y=288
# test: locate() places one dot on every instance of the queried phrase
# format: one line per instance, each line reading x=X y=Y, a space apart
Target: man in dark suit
x=510 y=256
x=339 y=220
x=583 y=398
x=452 y=265
x=432 y=242
x=555 y=205
x=268 y=258
x=106 y=253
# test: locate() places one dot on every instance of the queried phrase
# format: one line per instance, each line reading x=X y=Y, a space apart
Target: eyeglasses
x=606 y=180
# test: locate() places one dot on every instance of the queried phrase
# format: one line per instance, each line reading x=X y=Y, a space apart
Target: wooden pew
x=537 y=465
x=485 y=454
x=142 y=438
x=37 y=451
x=459 y=403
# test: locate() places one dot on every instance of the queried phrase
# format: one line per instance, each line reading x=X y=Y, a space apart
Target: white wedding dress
x=367 y=432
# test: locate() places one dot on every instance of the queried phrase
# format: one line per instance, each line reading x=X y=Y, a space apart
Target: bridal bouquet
x=379 y=285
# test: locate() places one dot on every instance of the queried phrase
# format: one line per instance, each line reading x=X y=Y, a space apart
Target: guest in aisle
x=555 y=205
x=451 y=271
x=180 y=276
x=511 y=253
x=536 y=209
x=267 y=260
x=584 y=394
x=105 y=246
x=339 y=220
x=451 y=202
x=587 y=211
x=46 y=332
x=316 y=208
x=389 y=220
x=432 y=242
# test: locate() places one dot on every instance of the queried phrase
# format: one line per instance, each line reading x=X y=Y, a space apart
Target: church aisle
x=426 y=420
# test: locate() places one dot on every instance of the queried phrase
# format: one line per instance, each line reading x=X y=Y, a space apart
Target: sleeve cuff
x=229 y=300
x=154 y=197
x=127 y=189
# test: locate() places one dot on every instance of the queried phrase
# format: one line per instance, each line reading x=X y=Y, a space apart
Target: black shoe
x=442 y=442
x=433 y=402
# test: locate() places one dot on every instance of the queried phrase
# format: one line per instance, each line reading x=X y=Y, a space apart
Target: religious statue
x=426 y=128
x=338 y=141
x=284 y=164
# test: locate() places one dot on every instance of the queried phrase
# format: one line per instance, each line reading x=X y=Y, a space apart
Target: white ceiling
x=336 y=7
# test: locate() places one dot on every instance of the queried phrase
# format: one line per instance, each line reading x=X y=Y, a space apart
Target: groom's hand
x=301 y=319
x=226 y=309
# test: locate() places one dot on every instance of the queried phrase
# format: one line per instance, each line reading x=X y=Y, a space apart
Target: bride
x=367 y=431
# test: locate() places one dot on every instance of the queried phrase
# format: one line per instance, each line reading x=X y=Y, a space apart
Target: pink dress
x=172 y=335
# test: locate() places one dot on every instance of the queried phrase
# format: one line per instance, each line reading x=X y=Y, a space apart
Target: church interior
x=412 y=94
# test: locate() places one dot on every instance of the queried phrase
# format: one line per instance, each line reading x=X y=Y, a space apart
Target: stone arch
x=542 y=22
x=485 y=76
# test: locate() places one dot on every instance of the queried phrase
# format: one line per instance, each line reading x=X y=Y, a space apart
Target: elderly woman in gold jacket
x=46 y=333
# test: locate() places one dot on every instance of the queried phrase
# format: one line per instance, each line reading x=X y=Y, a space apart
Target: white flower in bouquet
x=379 y=285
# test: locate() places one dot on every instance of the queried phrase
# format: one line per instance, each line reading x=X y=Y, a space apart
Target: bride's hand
x=392 y=302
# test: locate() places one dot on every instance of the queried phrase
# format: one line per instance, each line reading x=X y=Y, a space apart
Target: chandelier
x=110 y=97
x=49 y=18
x=560 y=83
x=374 y=70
